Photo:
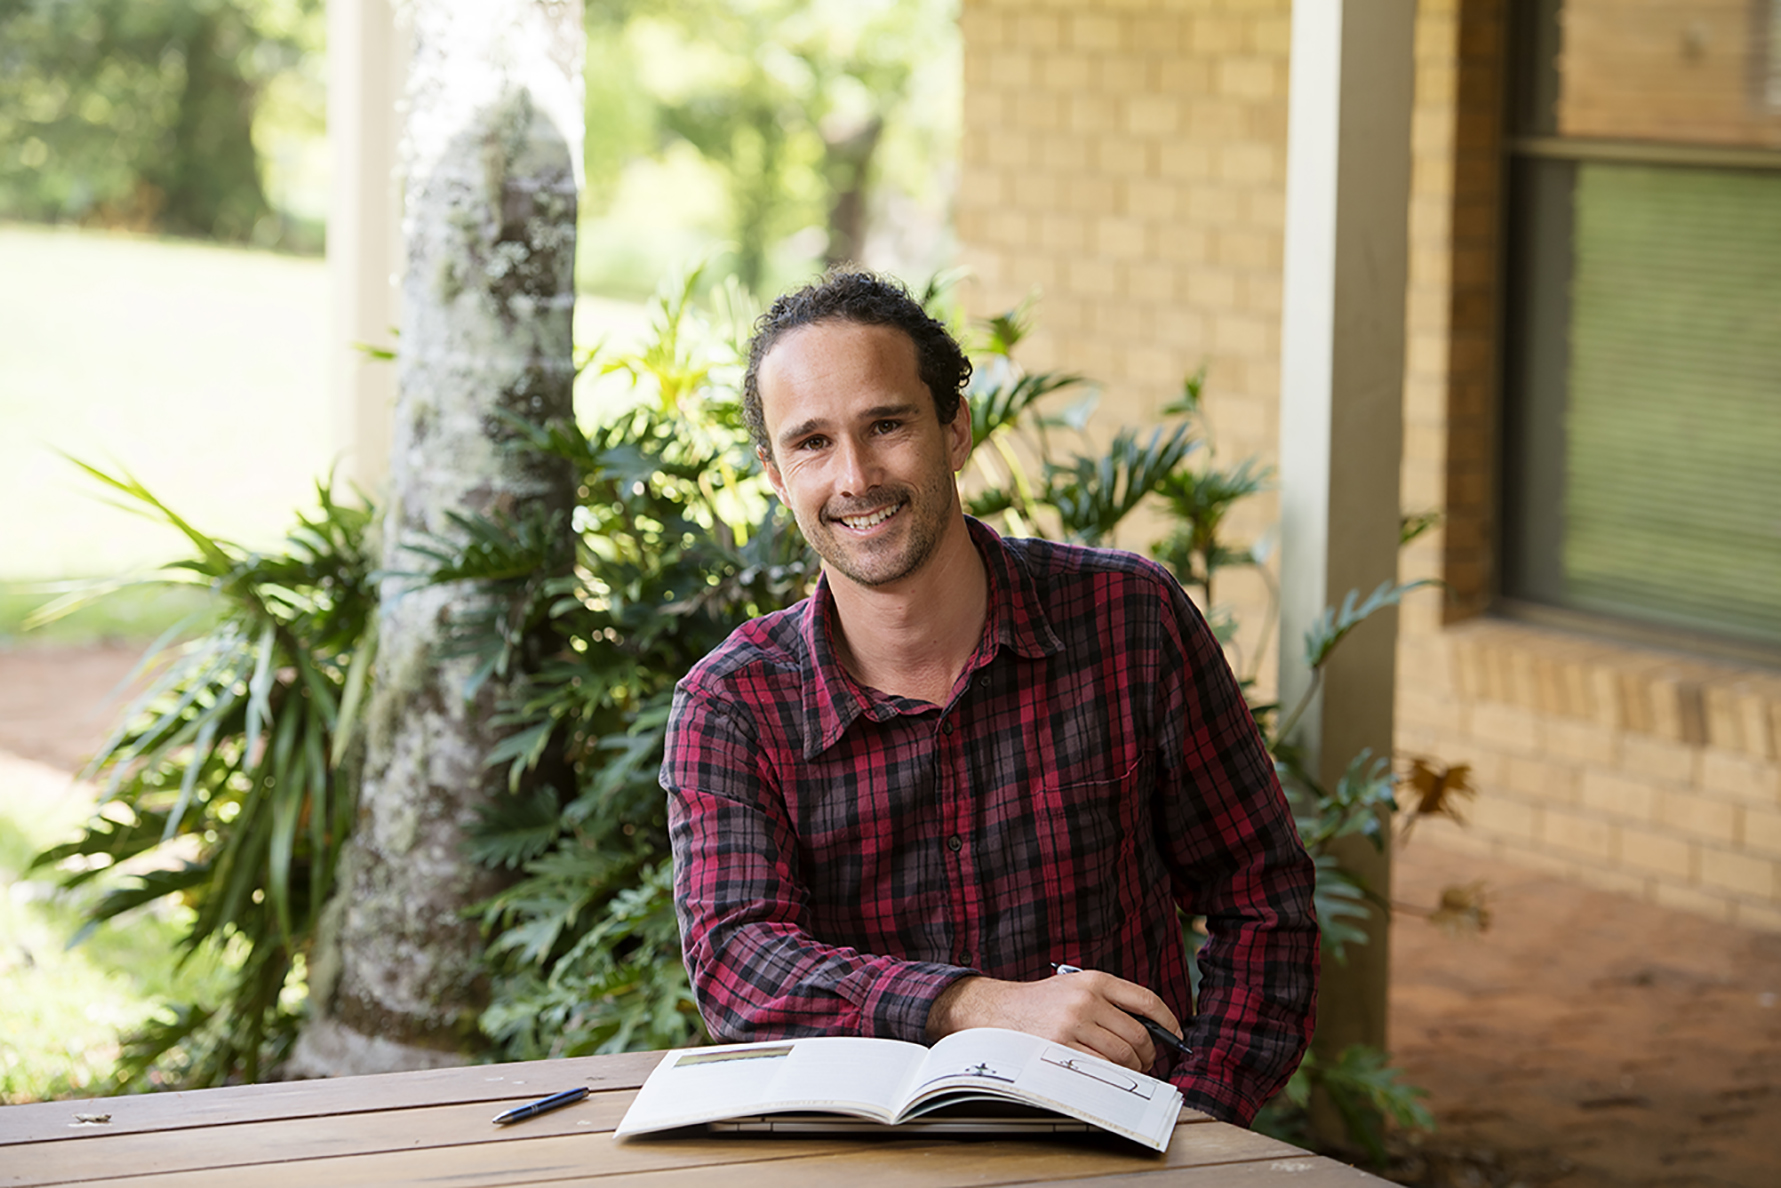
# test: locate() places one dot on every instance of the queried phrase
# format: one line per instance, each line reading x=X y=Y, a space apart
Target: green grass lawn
x=202 y=370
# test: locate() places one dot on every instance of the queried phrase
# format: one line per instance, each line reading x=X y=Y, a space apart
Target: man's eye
x=888 y=426
x=813 y=443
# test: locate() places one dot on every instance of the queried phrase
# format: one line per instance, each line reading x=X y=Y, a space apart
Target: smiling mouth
x=870 y=519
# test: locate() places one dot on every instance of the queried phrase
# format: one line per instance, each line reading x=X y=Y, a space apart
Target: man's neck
x=914 y=638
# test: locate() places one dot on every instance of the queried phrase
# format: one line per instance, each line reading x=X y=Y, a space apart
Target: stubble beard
x=882 y=562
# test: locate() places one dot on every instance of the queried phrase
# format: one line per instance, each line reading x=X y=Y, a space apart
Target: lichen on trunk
x=492 y=160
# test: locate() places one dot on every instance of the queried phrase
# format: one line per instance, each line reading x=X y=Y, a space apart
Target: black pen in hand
x=543 y=1105
x=1158 y=1032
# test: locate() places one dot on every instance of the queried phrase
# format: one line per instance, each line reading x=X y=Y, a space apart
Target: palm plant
x=226 y=783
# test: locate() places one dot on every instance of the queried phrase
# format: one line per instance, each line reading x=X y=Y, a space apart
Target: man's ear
x=773 y=476
x=958 y=437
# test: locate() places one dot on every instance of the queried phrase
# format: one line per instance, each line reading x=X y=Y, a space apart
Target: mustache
x=888 y=497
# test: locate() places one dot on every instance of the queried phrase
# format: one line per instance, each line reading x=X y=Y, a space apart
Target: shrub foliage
x=238 y=759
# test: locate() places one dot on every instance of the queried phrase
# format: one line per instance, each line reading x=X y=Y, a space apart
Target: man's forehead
x=839 y=335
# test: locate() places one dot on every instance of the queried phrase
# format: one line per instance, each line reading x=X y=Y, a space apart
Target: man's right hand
x=1085 y=1011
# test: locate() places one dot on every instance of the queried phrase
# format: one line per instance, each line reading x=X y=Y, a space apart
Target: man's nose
x=859 y=467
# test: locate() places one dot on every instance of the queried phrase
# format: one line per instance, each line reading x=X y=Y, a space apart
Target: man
x=899 y=805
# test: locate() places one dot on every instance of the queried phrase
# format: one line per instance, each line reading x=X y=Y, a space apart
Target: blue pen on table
x=1158 y=1032
x=544 y=1104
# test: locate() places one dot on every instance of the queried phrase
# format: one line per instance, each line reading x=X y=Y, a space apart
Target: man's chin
x=867 y=568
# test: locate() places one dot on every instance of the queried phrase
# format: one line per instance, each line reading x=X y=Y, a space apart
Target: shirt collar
x=1016 y=620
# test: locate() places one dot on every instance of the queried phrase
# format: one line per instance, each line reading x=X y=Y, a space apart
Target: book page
x=865 y=1077
x=988 y=1060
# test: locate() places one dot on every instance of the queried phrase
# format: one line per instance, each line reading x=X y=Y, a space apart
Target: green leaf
x=1333 y=626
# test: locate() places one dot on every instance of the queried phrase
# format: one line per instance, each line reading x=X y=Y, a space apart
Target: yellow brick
x=1584 y=742
x=1009 y=70
x=1238 y=335
x=1185 y=328
x=1698 y=816
x=1063 y=233
x=1121 y=239
x=1153 y=201
x=1124 y=157
x=1010 y=151
x=1153 y=115
x=1575 y=832
x=1213 y=206
x=1688 y=899
x=1742 y=873
x=1067 y=154
x=1158 y=35
x=1514 y=730
x=1216 y=36
x=1657 y=853
x=1093 y=278
x=1091 y=194
x=1213 y=120
x=1211 y=289
x=1659 y=758
x=1619 y=795
x=1034 y=30
x=1494 y=814
x=1551 y=783
x=1093 y=31
x=1731 y=774
x=1153 y=282
x=1185 y=159
x=1067 y=73
x=1762 y=831
x=1246 y=250
x=1094 y=114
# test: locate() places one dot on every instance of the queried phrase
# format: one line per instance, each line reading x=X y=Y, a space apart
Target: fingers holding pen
x=1068 y=1011
x=1149 y=1010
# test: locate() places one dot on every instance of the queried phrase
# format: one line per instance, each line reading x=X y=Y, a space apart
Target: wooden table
x=433 y=1128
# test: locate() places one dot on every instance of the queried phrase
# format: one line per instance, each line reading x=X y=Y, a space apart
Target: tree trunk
x=848 y=162
x=492 y=158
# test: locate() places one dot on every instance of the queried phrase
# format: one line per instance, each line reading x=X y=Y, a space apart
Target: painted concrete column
x=367 y=70
x=1341 y=411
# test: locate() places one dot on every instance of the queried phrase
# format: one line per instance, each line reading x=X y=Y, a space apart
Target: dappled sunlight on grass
x=65 y=1009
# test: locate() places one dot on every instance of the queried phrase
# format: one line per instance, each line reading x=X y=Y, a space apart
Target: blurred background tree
x=174 y=116
x=802 y=131
x=798 y=131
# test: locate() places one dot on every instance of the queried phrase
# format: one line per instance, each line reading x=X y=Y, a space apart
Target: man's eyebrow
x=791 y=433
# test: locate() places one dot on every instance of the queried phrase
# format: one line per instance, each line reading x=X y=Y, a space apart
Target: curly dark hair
x=865 y=299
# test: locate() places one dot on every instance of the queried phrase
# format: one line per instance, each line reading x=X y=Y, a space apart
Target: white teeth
x=861 y=523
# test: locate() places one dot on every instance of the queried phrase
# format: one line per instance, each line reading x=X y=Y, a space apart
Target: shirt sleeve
x=1236 y=858
x=756 y=971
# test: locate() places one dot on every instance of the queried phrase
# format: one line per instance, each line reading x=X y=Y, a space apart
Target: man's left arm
x=1228 y=834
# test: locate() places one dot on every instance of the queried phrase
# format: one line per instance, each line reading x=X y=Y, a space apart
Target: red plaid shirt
x=842 y=856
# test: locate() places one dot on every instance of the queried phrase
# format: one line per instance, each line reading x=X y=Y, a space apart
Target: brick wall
x=1125 y=161
x=1636 y=769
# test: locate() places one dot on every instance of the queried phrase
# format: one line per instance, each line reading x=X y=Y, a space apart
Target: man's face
x=859 y=453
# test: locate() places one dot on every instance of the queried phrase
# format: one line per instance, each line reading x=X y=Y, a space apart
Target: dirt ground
x=1585 y=1040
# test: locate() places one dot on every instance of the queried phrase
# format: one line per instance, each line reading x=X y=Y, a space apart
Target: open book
x=891 y=1082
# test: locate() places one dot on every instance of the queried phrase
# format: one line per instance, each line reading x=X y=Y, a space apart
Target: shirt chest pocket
x=1089 y=818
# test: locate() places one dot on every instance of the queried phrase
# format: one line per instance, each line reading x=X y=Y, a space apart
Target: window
x=1641 y=434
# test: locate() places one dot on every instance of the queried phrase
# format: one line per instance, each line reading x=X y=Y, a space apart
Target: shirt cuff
x=897 y=996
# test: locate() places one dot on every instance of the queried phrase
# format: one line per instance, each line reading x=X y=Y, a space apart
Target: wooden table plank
x=495 y=1084
x=589 y=1156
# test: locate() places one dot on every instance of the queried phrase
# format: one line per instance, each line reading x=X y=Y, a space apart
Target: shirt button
x=947 y=726
x=954 y=843
x=964 y=958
